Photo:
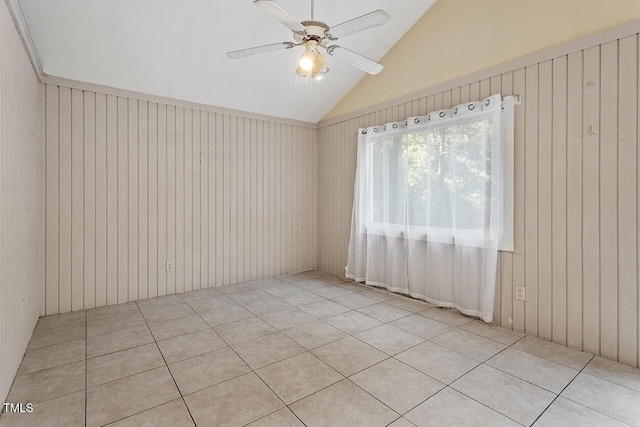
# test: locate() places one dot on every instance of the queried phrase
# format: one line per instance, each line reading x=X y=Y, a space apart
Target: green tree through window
x=436 y=176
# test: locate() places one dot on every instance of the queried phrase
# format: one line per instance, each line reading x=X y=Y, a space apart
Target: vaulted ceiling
x=177 y=49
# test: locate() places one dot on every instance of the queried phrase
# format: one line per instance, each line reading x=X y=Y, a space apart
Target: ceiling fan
x=316 y=35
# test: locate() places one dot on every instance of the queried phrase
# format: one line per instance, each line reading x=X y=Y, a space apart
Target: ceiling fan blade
x=355 y=59
x=260 y=49
x=374 y=19
x=276 y=11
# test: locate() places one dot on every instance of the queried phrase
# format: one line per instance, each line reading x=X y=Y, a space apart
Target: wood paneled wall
x=21 y=201
x=133 y=184
x=576 y=195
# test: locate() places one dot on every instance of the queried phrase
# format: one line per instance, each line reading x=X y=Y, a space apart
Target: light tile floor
x=307 y=349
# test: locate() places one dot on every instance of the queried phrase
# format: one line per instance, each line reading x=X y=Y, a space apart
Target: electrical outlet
x=169 y=266
x=521 y=294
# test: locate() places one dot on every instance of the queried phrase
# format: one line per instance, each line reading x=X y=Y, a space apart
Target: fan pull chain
x=309 y=84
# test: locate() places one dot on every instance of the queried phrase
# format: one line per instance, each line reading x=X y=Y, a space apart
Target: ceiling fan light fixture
x=320 y=65
x=307 y=59
x=306 y=63
x=301 y=72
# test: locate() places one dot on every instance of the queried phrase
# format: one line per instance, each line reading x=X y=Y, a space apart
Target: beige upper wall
x=458 y=37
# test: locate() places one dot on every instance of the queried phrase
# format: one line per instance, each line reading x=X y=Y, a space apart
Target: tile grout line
x=562 y=346
x=47 y=369
x=249 y=366
x=514 y=376
x=182 y=397
x=606 y=380
x=365 y=368
x=32 y=349
x=141 y=412
x=435 y=379
x=481 y=403
x=563 y=389
x=127 y=376
x=167 y=366
x=43 y=329
x=322 y=361
x=594 y=410
x=583 y=405
x=527 y=381
x=473 y=369
x=117 y=351
x=146 y=370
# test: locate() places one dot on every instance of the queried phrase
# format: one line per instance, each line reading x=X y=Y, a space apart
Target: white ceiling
x=177 y=49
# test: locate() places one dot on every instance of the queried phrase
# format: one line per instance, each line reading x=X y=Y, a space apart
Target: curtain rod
x=516 y=99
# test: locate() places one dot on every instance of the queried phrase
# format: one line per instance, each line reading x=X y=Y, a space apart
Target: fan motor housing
x=315 y=30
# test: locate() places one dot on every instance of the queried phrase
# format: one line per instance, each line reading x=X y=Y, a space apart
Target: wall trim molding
x=582 y=43
x=108 y=90
x=23 y=30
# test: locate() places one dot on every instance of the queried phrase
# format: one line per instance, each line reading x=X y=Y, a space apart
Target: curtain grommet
x=442 y=114
x=416 y=121
x=471 y=107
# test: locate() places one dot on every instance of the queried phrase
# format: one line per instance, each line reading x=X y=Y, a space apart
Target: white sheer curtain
x=427 y=210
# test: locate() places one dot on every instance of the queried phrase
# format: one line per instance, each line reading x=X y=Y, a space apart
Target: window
x=440 y=177
x=432 y=205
